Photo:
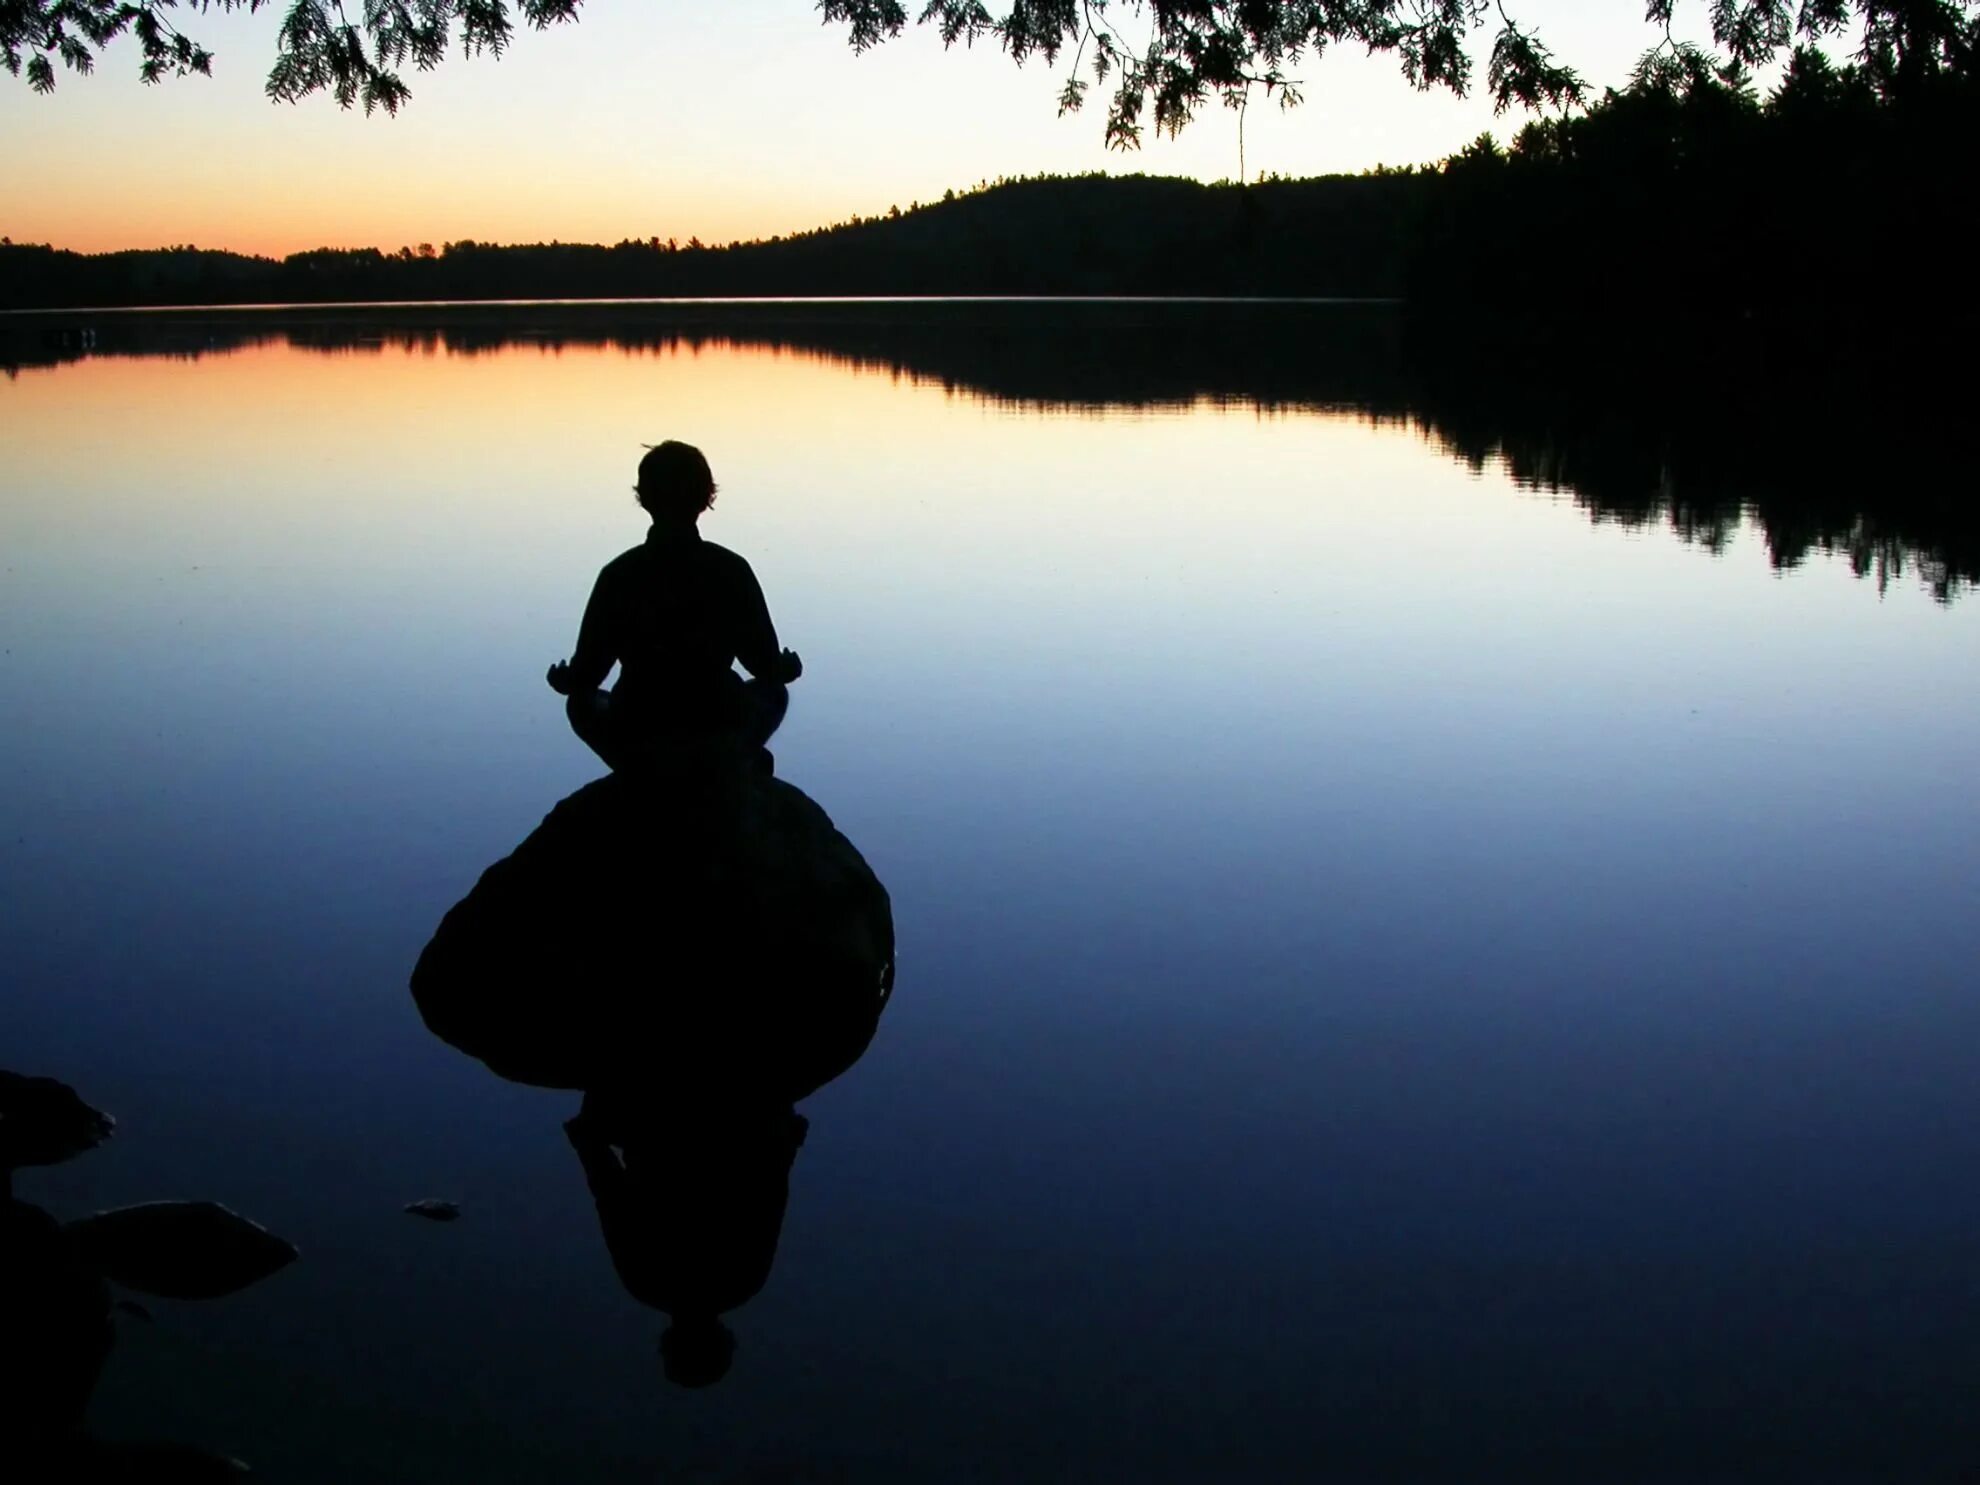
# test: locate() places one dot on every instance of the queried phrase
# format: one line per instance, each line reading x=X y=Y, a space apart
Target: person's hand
x=559 y=678
x=793 y=667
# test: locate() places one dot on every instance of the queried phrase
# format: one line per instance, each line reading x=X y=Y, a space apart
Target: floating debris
x=434 y=1210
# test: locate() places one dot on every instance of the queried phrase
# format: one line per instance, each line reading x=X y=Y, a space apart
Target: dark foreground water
x=1430 y=948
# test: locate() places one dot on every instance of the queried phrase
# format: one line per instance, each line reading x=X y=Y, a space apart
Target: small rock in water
x=43 y=1122
x=180 y=1249
x=435 y=1211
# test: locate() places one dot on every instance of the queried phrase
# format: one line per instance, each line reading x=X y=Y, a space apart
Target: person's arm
x=756 y=638
x=625 y=1221
x=595 y=655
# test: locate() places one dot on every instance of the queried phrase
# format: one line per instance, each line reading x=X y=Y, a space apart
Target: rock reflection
x=696 y=952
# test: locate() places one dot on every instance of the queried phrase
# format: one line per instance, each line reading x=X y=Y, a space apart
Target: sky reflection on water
x=1394 y=978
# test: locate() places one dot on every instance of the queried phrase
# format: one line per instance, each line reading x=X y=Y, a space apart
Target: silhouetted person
x=691 y=1202
x=675 y=613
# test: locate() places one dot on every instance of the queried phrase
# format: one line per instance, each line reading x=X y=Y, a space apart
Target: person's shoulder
x=717 y=555
x=627 y=561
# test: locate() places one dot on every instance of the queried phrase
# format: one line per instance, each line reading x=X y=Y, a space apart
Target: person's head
x=695 y=1351
x=674 y=482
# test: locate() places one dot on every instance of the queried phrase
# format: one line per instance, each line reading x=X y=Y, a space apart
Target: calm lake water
x=1409 y=969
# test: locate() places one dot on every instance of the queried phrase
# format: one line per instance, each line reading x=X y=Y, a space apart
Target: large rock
x=54 y=1332
x=708 y=936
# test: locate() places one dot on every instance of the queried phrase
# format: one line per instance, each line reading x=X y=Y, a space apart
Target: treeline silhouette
x=1095 y=234
x=1829 y=214
x=1702 y=455
x=1684 y=207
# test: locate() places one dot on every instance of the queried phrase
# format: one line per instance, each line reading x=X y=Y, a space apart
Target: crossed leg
x=603 y=728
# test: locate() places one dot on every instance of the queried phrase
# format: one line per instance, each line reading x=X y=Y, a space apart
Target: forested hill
x=1335 y=236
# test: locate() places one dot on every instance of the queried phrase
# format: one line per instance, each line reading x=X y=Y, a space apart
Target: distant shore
x=425 y=308
x=1063 y=237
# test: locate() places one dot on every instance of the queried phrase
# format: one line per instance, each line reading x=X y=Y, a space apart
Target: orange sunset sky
x=732 y=120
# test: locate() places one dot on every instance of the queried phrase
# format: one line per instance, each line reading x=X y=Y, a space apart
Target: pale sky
x=660 y=117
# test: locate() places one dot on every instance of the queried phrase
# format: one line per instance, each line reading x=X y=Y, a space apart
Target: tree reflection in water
x=1865 y=468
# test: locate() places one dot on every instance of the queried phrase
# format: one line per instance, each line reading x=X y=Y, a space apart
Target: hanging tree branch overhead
x=1198 y=50
x=1159 y=60
x=354 y=55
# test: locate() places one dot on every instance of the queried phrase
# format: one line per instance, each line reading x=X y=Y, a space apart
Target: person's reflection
x=691 y=1202
x=691 y=1184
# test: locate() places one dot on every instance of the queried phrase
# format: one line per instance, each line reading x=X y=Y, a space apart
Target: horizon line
x=894 y=212
x=736 y=300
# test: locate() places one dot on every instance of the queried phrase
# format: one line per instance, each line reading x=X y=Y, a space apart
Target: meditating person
x=675 y=614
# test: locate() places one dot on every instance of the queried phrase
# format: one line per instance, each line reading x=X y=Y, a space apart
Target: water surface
x=1424 y=952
